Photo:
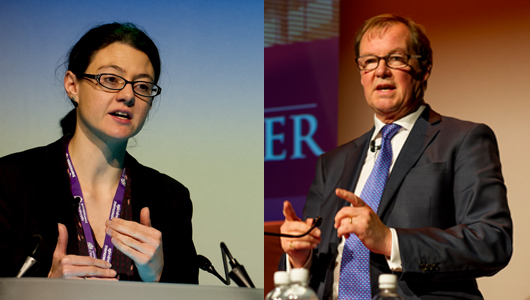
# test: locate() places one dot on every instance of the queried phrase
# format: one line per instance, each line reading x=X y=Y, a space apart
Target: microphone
x=206 y=265
x=238 y=273
x=30 y=261
x=373 y=147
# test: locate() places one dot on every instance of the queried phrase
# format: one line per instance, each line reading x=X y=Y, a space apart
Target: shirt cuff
x=307 y=264
x=394 y=261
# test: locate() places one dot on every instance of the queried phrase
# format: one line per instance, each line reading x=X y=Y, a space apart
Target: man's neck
x=392 y=117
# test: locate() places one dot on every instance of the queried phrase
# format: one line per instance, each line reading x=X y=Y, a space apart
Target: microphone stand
x=238 y=274
x=30 y=261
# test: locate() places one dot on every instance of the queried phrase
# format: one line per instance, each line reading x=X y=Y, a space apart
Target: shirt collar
x=406 y=123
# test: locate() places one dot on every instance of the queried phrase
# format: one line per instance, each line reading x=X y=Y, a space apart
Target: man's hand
x=141 y=242
x=298 y=249
x=362 y=221
x=75 y=266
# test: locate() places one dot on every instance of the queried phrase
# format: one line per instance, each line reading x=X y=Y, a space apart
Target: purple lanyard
x=106 y=252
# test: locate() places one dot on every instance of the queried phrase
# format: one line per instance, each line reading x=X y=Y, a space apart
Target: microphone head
x=203 y=263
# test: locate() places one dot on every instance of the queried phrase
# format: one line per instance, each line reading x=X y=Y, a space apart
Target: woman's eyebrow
x=119 y=69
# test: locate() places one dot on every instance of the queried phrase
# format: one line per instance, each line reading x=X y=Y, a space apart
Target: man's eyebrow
x=395 y=50
x=119 y=69
x=398 y=50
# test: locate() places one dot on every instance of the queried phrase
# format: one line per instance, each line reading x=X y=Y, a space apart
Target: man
x=438 y=216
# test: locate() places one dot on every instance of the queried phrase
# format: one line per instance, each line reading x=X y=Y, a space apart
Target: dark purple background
x=299 y=74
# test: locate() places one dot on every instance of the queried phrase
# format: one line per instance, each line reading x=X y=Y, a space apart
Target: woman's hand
x=141 y=242
x=75 y=266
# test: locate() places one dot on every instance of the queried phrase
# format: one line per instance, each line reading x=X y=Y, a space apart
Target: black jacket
x=35 y=195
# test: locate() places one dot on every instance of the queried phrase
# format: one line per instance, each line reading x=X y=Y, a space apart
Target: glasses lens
x=146 y=88
x=368 y=62
x=397 y=60
x=111 y=81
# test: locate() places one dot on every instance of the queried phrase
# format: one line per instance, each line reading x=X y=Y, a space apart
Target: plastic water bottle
x=300 y=289
x=281 y=284
x=387 y=288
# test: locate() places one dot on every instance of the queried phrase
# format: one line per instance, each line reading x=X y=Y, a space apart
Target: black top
x=35 y=195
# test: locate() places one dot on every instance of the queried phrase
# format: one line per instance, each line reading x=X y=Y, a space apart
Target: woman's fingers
x=76 y=266
x=140 y=242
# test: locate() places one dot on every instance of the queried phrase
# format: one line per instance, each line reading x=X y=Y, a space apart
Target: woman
x=93 y=210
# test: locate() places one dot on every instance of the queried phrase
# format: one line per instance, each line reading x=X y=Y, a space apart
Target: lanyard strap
x=108 y=247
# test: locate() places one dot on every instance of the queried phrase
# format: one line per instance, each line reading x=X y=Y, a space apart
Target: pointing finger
x=288 y=212
x=350 y=197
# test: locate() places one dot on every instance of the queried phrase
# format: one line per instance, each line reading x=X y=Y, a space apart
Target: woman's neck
x=98 y=164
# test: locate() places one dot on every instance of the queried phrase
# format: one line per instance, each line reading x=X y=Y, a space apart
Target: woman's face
x=112 y=116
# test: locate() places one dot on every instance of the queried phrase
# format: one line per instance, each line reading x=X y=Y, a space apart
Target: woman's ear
x=70 y=86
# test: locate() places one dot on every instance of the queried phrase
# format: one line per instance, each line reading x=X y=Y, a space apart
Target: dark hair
x=420 y=44
x=97 y=38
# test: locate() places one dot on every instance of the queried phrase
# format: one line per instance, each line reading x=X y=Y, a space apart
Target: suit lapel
x=419 y=138
x=351 y=169
x=354 y=163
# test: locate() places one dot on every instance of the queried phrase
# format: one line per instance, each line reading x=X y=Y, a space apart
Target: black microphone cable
x=316 y=223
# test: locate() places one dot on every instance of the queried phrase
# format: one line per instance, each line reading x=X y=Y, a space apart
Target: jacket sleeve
x=172 y=216
x=171 y=211
x=457 y=198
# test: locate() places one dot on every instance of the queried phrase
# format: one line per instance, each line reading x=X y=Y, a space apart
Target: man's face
x=391 y=93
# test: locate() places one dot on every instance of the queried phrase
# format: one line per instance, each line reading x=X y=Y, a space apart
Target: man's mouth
x=385 y=87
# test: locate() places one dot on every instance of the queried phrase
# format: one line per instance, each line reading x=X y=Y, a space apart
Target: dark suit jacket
x=35 y=195
x=446 y=199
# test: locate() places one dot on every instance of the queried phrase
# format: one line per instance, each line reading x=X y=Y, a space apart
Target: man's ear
x=427 y=73
x=426 y=76
x=70 y=86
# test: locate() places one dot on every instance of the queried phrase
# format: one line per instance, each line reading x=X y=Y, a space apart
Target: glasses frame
x=97 y=77
x=408 y=56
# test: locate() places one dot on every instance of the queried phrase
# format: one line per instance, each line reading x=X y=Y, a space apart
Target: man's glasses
x=117 y=83
x=394 y=61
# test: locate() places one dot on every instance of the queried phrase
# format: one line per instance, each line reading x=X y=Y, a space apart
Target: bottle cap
x=281 y=277
x=299 y=275
x=387 y=281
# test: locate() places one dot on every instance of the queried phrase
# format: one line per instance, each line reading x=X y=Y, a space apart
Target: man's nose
x=382 y=69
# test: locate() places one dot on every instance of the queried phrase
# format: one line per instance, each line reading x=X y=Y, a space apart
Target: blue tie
x=354 y=280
